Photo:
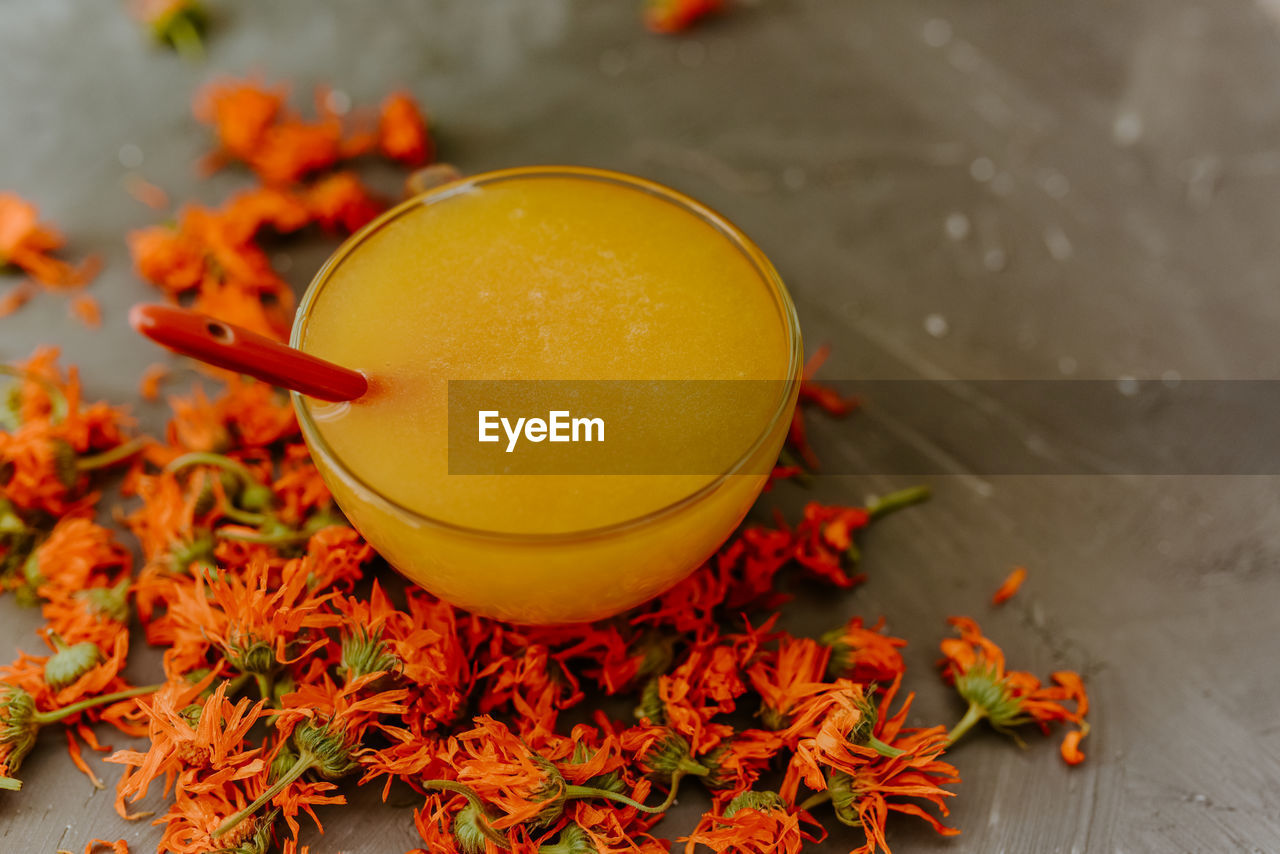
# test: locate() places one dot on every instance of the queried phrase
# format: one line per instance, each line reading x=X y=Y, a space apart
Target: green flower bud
x=184 y=553
x=844 y=798
x=64 y=462
x=257 y=836
x=256 y=657
x=330 y=750
x=551 y=792
x=364 y=653
x=466 y=830
x=110 y=602
x=69 y=663
x=651 y=705
x=659 y=651
x=981 y=687
x=758 y=801
x=573 y=840
x=285 y=759
x=18 y=725
x=192 y=714
x=668 y=755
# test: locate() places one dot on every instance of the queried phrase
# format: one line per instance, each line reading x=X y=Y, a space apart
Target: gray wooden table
x=953 y=190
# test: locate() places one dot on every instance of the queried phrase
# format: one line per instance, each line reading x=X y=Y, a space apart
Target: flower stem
x=244 y=517
x=43 y=718
x=882 y=507
x=205 y=458
x=265 y=689
x=9 y=784
x=117 y=454
x=575 y=792
x=304 y=763
x=972 y=715
x=264 y=539
x=886 y=750
x=816 y=799
x=494 y=835
x=235 y=683
x=689 y=765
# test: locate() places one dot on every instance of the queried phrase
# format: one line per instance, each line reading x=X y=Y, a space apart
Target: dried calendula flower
x=18 y=730
x=20 y=720
x=27 y=244
x=1010 y=698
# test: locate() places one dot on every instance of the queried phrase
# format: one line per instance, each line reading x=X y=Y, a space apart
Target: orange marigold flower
x=120 y=846
x=707 y=684
x=505 y=773
x=56 y=439
x=189 y=737
x=420 y=645
x=214 y=253
x=1010 y=586
x=257 y=414
x=194 y=817
x=341 y=202
x=77 y=552
x=26 y=244
x=299 y=490
x=1009 y=698
x=824 y=541
x=788 y=677
x=257 y=621
x=240 y=111
x=292 y=148
x=171 y=258
x=867 y=764
x=402 y=131
x=753 y=822
x=251 y=211
x=197 y=424
x=862 y=654
x=738 y=761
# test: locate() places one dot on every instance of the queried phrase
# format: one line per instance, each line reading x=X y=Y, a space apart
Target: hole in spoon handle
x=235 y=348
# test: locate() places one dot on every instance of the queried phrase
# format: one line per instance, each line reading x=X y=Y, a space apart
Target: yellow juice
x=541 y=274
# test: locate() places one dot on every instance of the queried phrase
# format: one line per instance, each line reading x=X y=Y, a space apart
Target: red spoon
x=226 y=345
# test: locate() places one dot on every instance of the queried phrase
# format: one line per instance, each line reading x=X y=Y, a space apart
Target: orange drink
x=547 y=274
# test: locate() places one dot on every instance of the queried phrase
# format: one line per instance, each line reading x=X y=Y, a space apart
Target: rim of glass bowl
x=744 y=244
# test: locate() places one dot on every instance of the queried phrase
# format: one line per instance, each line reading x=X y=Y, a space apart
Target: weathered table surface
x=953 y=190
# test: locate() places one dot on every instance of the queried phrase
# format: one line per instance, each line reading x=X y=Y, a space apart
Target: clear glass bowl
x=562 y=577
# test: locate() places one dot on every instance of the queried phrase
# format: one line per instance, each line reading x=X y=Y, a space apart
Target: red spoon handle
x=225 y=345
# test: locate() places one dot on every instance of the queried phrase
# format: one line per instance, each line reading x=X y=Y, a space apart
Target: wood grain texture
x=1075 y=189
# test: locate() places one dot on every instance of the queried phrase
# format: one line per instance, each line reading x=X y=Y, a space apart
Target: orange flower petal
x=1009 y=586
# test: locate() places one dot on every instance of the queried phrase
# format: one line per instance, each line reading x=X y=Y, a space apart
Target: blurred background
x=952 y=191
